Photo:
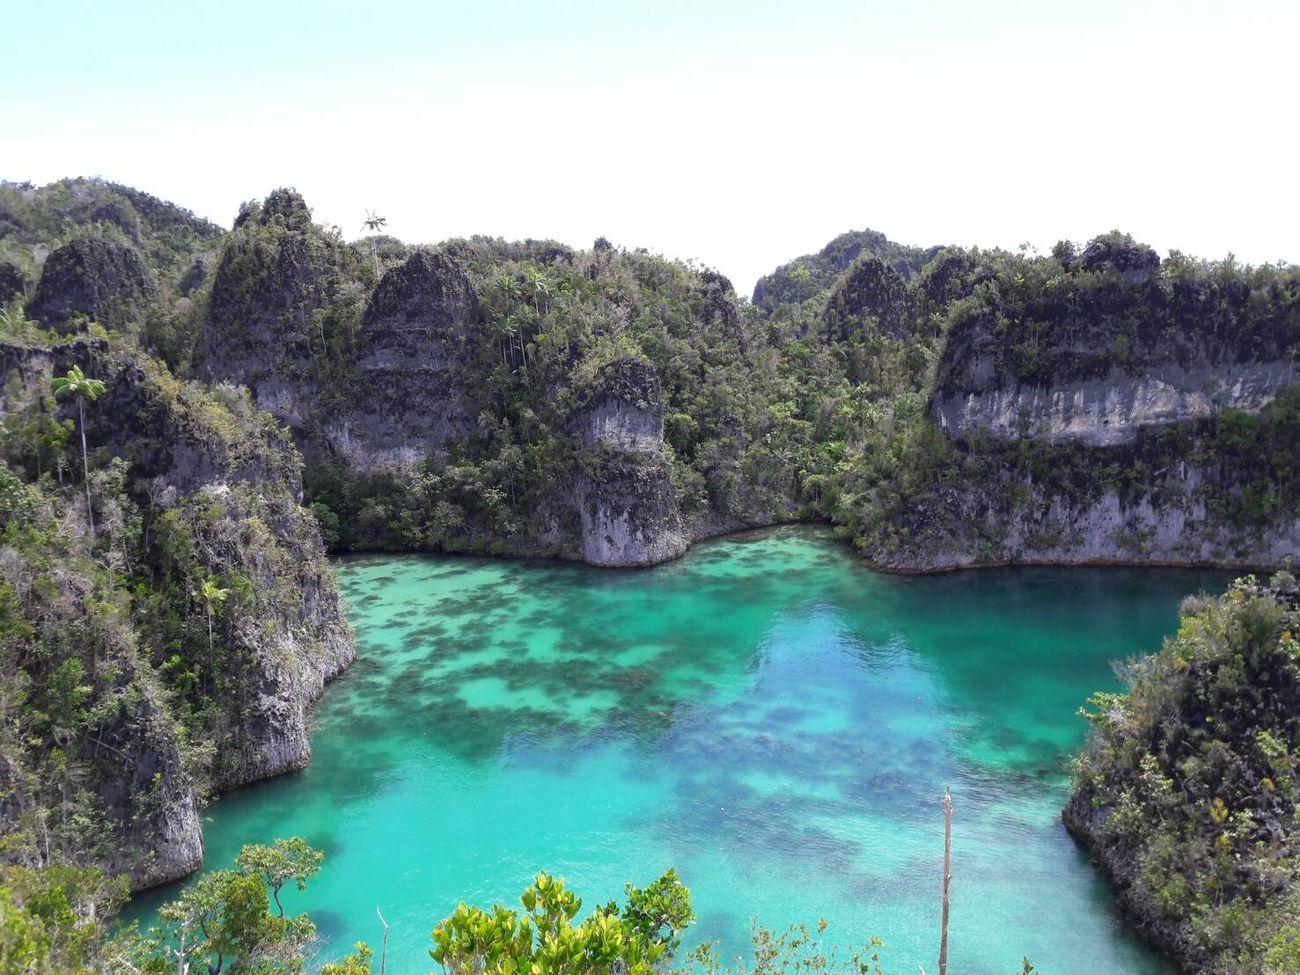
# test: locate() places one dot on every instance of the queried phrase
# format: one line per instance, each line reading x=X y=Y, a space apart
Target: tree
x=659 y=912
x=55 y=921
x=545 y=939
x=374 y=223
x=797 y=948
x=83 y=390
x=540 y=285
x=357 y=963
x=212 y=597
x=282 y=861
x=223 y=923
x=505 y=330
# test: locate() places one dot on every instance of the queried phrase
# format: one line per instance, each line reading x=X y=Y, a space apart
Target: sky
x=736 y=133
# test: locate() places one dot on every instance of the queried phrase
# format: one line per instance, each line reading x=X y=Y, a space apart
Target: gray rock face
x=719 y=305
x=623 y=426
x=1109 y=411
x=1113 y=350
x=627 y=506
x=413 y=336
x=298 y=640
x=164 y=840
x=1175 y=522
x=260 y=312
x=630 y=518
x=275 y=275
x=93 y=276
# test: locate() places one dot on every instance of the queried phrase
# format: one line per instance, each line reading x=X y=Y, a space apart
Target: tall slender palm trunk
x=85 y=465
x=207 y=679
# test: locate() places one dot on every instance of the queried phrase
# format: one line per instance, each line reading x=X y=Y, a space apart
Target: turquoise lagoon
x=766 y=715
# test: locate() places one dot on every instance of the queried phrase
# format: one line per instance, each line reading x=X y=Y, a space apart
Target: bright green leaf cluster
x=545 y=941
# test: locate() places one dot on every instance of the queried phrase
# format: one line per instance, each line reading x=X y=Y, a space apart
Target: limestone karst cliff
x=628 y=508
x=457 y=363
x=187 y=487
x=1117 y=347
x=1094 y=406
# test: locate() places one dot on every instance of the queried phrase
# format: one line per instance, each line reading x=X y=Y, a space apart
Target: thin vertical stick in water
x=947 y=879
x=383 y=955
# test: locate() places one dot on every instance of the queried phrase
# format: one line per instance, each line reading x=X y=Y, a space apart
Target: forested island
x=193 y=417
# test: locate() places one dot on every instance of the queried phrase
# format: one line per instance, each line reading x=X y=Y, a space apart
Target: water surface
x=766 y=715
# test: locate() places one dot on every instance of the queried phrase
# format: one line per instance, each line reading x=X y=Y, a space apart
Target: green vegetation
x=912 y=491
x=42 y=218
x=54 y=921
x=60 y=921
x=636 y=938
x=1189 y=789
x=282 y=861
x=1068 y=316
x=807 y=278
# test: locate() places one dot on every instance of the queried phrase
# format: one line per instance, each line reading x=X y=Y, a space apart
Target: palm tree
x=211 y=596
x=509 y=286
x=374 y=223
x=505 y=328
x=541 y=286
x=83 y=390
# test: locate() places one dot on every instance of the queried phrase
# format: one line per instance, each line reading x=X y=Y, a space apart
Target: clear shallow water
x=766 y=715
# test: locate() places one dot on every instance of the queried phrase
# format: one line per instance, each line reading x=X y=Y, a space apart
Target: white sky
x=740 y=134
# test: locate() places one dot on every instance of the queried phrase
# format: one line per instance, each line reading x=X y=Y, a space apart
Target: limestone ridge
x=35 y=221
x=264 y=330
x=217 y=493
x=626 y=502
x=398 y=381
x=1118 y=412
x=871 y=290
x=1128 y=356
x=944 y=407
